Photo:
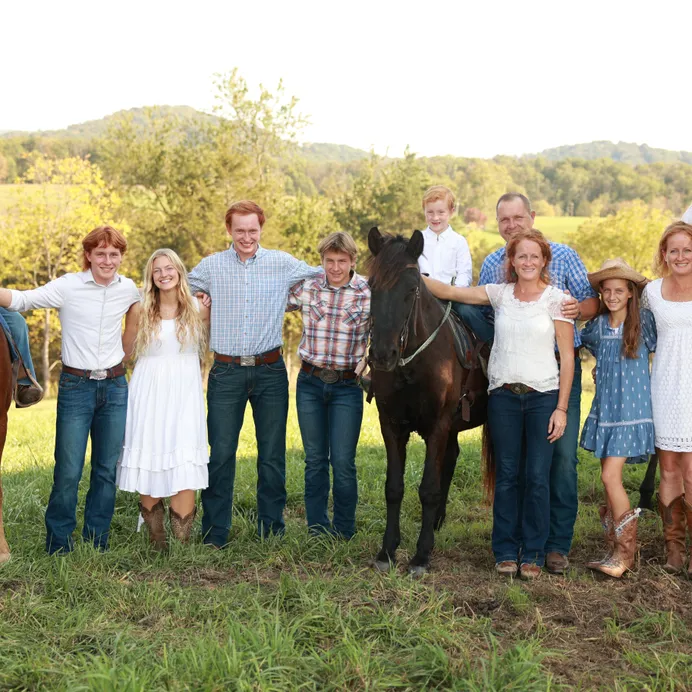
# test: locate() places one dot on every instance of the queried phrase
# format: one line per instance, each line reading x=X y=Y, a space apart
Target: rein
x=403 y=339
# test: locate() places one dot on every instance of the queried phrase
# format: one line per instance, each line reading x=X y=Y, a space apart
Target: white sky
x=469 y=78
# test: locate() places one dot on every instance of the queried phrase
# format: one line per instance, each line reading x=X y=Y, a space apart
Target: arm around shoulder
x=474 y=295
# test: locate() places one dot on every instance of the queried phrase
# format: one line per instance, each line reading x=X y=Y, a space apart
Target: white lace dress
x=524 y=346
x=165 y=449
x=671 y=375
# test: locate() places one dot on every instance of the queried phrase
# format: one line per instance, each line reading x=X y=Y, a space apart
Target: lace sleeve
x=644 y=302
x=555 y=300
x=495 y=294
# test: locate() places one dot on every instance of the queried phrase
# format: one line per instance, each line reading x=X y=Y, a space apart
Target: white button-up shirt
x=91 y=316
x=446 y=256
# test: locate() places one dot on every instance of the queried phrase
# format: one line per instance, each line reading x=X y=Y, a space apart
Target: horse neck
x=426 y=317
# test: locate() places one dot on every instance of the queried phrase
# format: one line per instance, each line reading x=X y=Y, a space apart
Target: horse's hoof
x=417 y=571
x=4 y=557
x=382 y=565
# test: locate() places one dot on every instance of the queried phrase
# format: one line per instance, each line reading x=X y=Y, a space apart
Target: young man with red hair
x=249 y=288
x=92 y=397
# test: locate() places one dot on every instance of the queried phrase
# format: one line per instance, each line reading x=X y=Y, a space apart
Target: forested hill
x=624 y=152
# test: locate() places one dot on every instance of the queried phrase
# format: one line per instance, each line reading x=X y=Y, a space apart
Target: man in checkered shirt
x=568 y=273
x=336 y=324
x=248 y=286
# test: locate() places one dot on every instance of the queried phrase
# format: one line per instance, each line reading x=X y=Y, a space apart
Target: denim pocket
x=120 y=381
x=219 y=369
x=279 y=366
x=68 y=381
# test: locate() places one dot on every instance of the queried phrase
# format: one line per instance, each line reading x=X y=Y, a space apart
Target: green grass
x=556 y=228
x=311 y=614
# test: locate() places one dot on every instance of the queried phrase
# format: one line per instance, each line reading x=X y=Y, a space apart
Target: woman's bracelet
x=559 y=408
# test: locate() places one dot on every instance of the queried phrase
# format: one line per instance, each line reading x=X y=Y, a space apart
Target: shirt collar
x=351 y=283
x=257 y=255
x=88 y=277
x=444 y=235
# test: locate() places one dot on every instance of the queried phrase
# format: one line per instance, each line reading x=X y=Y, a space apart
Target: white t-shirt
x=446 y=256
x=524 y=346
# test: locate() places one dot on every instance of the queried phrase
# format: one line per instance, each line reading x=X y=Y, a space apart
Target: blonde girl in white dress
x=165 y=453
x=670 y=300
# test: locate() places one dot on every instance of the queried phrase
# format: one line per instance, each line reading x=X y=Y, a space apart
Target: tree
x=57 y=204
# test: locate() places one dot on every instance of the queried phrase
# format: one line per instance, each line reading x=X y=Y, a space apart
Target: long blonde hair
x=189 y=327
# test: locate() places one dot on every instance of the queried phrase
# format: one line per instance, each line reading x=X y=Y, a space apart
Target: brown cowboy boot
x=673 y=517
x=181 y=526
x=609 y=535
x=622 y=558
x=153 y=518
x=688 y=513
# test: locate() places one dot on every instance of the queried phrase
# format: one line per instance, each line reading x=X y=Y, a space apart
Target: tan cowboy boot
x=673 y=517
x=153 y=518
x=609 y=535
x=622 y=558
x=181 y=526
x=688 y=513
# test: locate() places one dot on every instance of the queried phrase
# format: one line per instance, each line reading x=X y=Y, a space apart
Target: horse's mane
x=384 y=268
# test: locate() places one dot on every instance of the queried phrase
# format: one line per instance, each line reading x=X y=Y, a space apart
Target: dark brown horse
x=5 y=401
x=419 y=385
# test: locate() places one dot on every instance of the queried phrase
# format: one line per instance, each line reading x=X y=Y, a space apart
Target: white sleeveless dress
x=671 y=375
x=165 y=449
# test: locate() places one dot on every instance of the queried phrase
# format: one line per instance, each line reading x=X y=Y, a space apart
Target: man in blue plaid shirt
x=568 y=273
x=248 y=286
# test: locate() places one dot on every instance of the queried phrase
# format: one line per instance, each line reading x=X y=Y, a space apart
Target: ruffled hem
x=145 y=460
x=617 y=441
x=674 y=444
x=162 y=484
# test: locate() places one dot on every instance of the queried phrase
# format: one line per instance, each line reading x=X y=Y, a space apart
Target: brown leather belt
x=266 y=358
x=518 y=388
x=327 y=375
x=105 y=374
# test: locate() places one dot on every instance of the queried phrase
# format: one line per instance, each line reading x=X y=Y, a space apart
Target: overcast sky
x=473 y=78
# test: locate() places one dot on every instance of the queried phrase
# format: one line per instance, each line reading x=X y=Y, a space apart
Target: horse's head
x=395 y=284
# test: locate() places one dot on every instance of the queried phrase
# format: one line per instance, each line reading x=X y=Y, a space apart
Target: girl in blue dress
x=620 y=424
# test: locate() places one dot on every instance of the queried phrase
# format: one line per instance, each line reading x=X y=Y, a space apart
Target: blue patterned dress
x=620 y=423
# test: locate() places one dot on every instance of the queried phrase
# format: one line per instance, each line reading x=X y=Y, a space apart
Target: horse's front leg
x=4 y=548
x=449 y=464
x=395 y=444
x=430 y=493
x=648 y=486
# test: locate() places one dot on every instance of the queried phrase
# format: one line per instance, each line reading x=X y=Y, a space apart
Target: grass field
x=311 y=614
x=556 y=228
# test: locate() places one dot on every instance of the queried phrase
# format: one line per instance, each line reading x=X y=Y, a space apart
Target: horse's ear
x=415 y=245
x=375 y=240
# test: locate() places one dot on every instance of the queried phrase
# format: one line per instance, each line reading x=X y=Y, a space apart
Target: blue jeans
x=517 y=420
x=330 y=416
x=20 y=334
x=230 y=387
x=473 y=317
x=85 y=407
x=564 y=496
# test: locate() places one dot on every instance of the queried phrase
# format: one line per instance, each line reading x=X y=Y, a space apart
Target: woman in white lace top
x=670 y=300
x=529 y=396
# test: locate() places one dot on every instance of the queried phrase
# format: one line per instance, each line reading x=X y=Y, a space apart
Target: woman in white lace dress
x=527 y=409
x=670 y=300
x=165 y=453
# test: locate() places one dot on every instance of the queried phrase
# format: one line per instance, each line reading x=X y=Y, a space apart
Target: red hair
x=102 y=236
x=535 y=236
x=243 y=208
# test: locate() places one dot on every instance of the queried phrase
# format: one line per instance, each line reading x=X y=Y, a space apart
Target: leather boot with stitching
x=608 y=534
x=688 y=513
x=181 y=526
x=673 y=517
x=154 y=519
x=625 y=550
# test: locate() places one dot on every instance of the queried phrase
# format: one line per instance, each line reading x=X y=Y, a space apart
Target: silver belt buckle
x=247 y=361
x=518 y=388
x=328 y=376
x=98 y=374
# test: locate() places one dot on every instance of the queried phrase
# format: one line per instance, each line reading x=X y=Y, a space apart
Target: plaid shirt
x=336 y=321
x=567 y=272
x=248 y=298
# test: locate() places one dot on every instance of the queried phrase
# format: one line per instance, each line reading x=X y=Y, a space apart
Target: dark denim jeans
x=564 y=496
x=85 y=407
x=521 y=514
x=20 y=334
x=479 y=322
x=330 y=416
x=230 y=388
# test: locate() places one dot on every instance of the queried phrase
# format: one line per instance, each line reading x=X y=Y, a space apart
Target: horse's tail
x=489 y=469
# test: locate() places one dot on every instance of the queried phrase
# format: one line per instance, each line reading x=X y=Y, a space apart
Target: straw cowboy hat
x=616 y=269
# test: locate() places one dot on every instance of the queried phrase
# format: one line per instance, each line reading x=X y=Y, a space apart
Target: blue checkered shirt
x=248 y=299
x=567 y=272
